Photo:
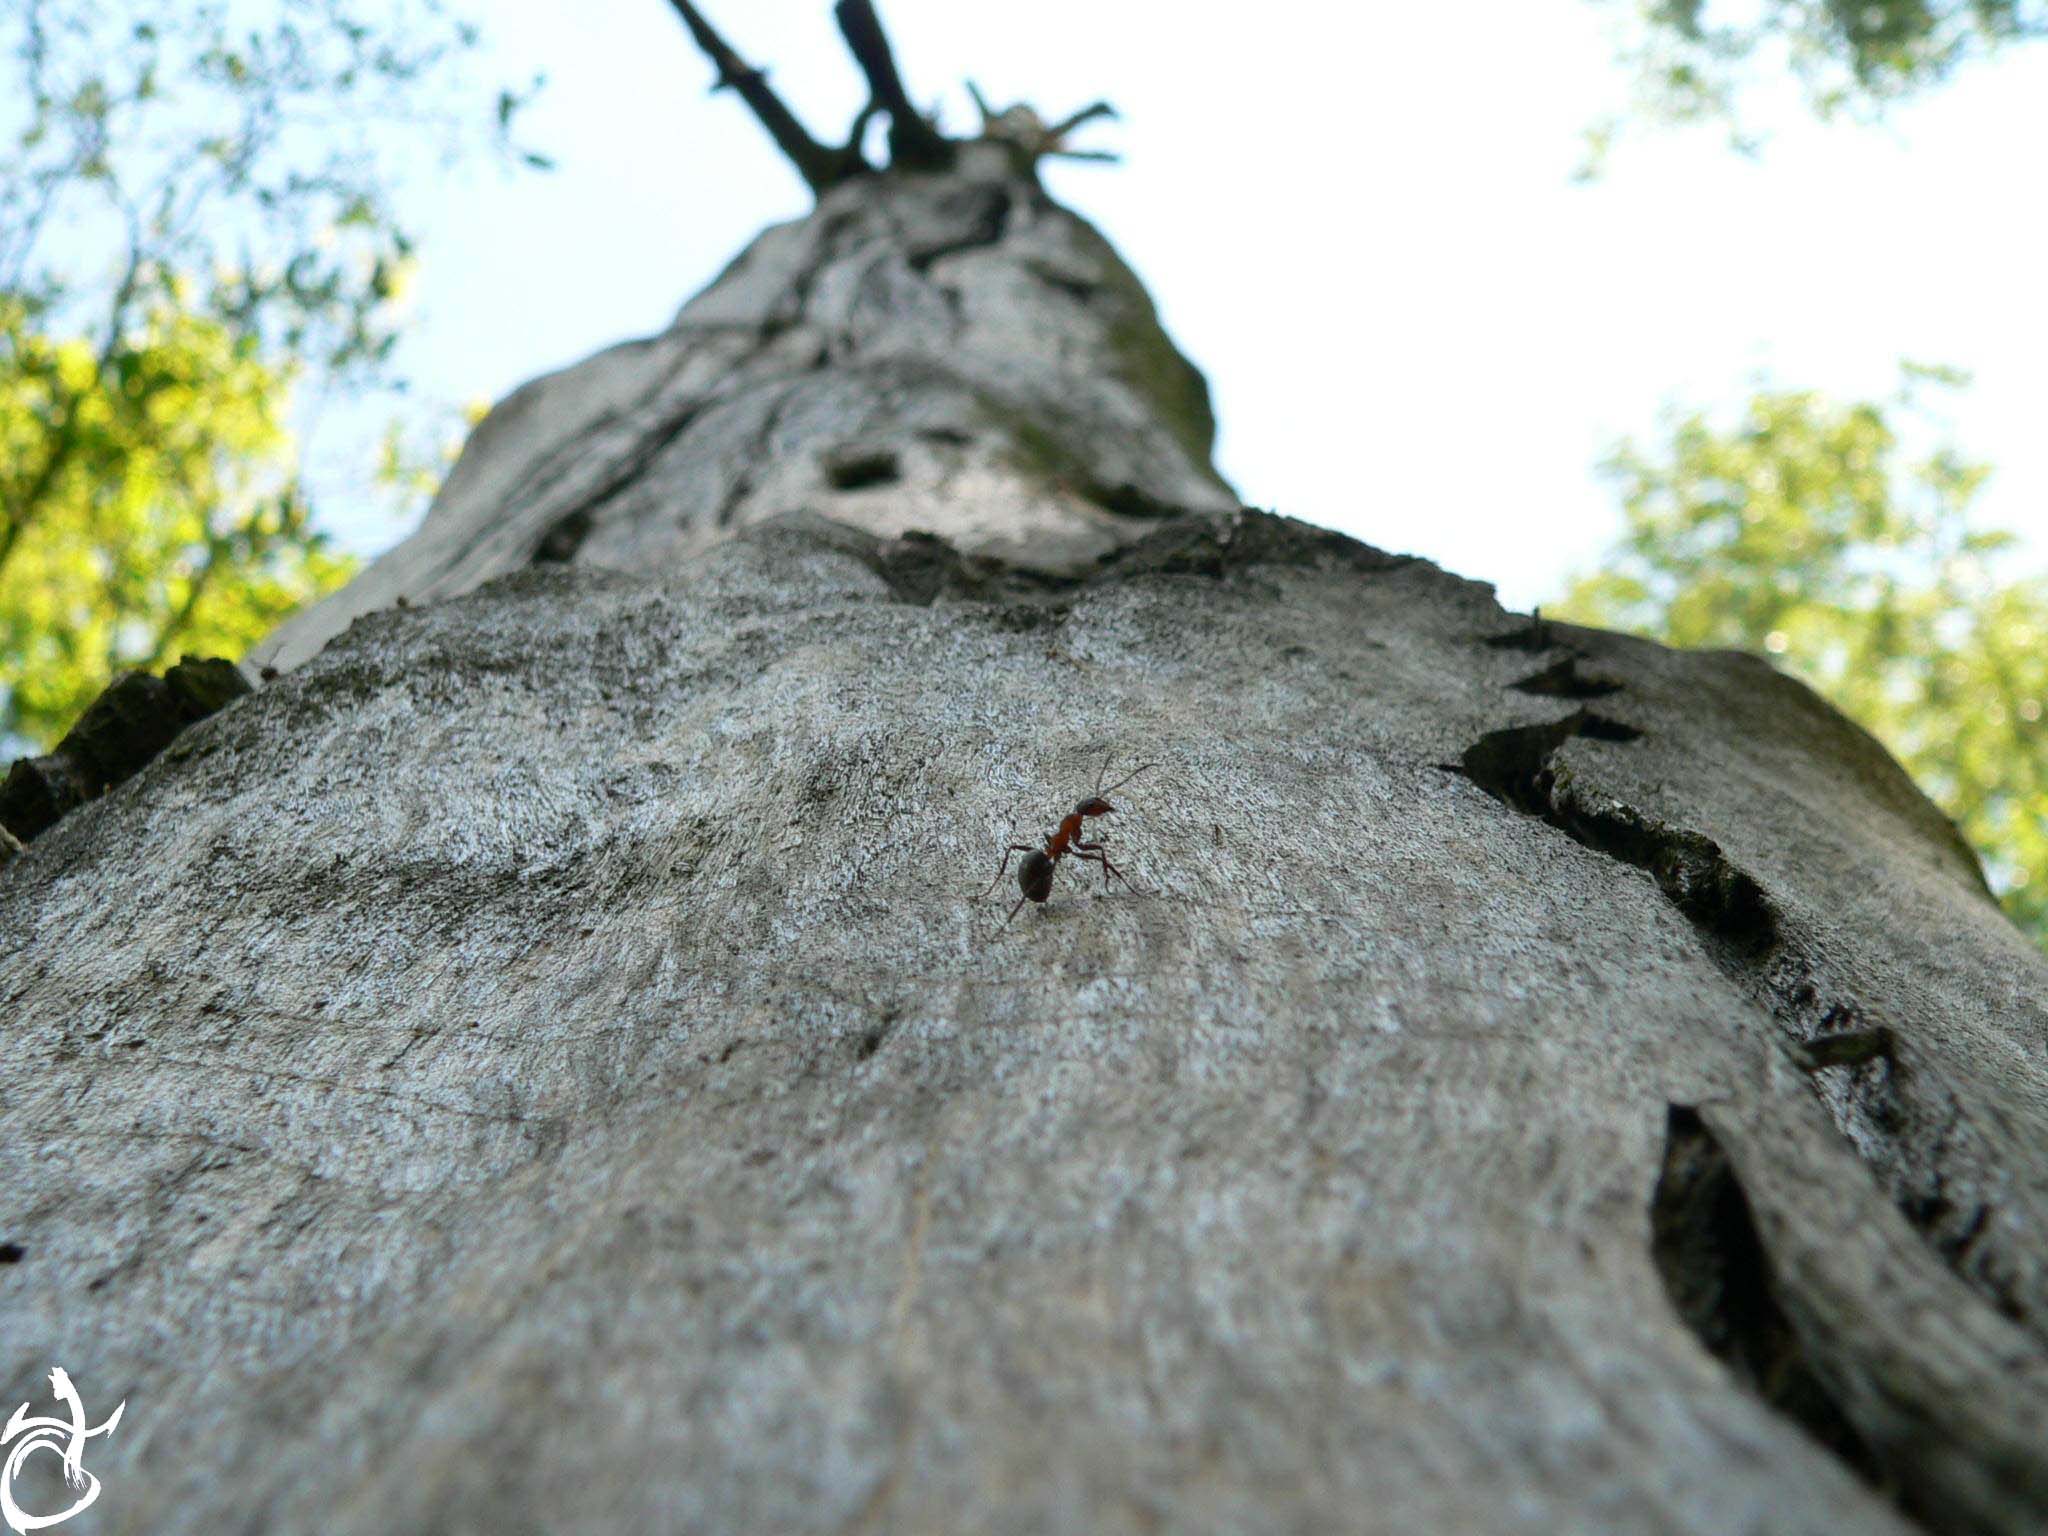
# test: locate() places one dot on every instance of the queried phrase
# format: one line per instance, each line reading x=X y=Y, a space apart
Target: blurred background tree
x=1699 y=60
x=1813 y=531
x=197 y=248
x=1807 y=528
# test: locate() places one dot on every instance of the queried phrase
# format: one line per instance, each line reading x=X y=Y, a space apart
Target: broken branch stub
x=1021 y=129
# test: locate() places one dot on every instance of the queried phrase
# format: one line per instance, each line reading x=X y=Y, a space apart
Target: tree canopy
x=1836 y=537
x=195 y=232
x=1811 y=529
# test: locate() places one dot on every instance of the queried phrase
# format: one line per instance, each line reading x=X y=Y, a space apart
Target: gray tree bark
x=543 y=1062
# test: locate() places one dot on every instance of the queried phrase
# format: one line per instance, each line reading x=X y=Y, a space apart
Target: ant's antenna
x=1120 y=783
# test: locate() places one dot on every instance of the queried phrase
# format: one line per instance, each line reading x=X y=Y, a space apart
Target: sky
x=1359 y=221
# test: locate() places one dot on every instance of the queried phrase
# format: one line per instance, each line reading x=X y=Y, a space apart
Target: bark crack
x=1704 y=1240
x=1918 y=1145
x=984 y=211
x=1518 y=766
x=1563 y=680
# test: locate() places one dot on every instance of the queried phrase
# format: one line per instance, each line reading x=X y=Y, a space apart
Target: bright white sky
x=1358 y=220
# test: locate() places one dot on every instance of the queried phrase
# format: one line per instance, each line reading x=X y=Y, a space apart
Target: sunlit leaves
x=196 y=227
x=146 y=507
x=1807 y=530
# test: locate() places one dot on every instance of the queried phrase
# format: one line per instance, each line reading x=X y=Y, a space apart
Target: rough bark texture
x=948 y=352
x=542 y=1063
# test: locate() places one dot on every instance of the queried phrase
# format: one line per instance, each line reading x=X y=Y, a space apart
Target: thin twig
x=1087 y=114
x=857 y=134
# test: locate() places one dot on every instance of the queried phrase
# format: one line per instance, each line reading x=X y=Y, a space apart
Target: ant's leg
x=1094 y=853
x=1015 y=910
x=1013 y=848
x=1108 y=869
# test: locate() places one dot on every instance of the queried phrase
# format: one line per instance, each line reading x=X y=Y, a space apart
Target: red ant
x=1034 y=873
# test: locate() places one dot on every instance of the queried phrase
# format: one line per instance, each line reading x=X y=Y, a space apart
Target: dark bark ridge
x=574 y=993
x=131 y=722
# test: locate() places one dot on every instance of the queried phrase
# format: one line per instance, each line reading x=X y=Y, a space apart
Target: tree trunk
x=544 y=1061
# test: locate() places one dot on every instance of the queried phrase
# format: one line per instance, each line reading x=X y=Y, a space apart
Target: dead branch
x=914 y=143
x=821 y=166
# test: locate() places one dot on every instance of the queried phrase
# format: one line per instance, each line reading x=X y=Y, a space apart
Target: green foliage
x=149 y=507
x=195 y=232
x=1812 y=532
x=1696 y=60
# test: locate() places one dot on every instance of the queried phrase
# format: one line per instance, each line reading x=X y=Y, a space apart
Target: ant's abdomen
x=1034 y=876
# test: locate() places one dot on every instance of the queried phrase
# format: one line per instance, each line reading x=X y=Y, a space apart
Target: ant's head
x=1095 y=805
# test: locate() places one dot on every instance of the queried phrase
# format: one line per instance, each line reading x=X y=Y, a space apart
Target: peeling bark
x=540 y=1062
